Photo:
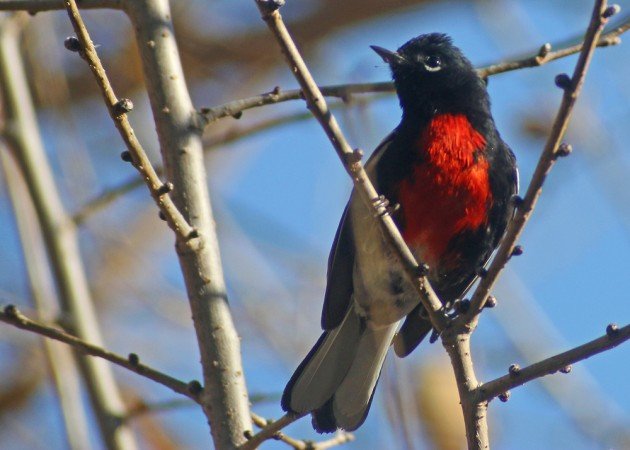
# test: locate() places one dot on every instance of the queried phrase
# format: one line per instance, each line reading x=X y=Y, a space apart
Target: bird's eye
x=432 y=63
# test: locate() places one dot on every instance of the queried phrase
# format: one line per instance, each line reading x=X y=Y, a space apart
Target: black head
x=432 y=75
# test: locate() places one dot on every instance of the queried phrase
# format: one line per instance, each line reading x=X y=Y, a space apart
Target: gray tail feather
x=337 y=378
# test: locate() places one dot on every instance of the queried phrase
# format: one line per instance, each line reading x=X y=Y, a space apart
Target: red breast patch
x=449 y=191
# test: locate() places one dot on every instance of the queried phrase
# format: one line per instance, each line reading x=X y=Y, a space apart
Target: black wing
x=339 y=285
x=503 y=178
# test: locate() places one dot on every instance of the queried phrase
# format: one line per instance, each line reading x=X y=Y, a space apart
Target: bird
x=452 y=178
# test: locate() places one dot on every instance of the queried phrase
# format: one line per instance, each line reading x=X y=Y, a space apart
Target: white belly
x=382 y=291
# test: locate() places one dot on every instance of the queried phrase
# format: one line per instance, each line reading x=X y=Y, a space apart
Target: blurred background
x=278 y=191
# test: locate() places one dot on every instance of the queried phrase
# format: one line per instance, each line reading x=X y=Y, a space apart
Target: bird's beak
x=388 y=56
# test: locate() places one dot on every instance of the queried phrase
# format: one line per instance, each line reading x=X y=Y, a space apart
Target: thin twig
x=279 y=436
x=546 y=55
x=13 y=316
x=572 y=88
x=340 y=438
x=344 y=91
x=351 y=161
x=494 y=388
x=51 y=5
x=270 y=429
x=159 y=190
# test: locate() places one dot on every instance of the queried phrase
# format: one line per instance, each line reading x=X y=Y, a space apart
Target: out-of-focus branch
x=21 y=381
x=12 y=316
x=553 y=149
x=198 y=44
x=105 y=198
x=225 y=400
x=614 y=336
x=544 y=55
x=351 y=160
x=235 y=133
x=118 y=110
x=34 y=6
x=140 y=408
x=60 y=238
x=62 y=366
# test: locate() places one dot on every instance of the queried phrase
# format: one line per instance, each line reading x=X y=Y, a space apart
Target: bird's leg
x=382 y=202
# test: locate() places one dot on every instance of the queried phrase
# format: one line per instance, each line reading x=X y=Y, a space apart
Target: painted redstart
x=453 y=178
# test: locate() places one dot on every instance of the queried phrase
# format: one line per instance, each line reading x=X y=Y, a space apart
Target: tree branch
x=225 y=400
x=614 y=336
x=34 y=6
x=270 y=430
x=552 y=150
x=543 y=56
x=351 y=160
x=298 y=444
x=457 y=346
x=118 y=110
x=12 y=316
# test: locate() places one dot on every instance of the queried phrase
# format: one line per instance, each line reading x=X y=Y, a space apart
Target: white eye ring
x=432 y=69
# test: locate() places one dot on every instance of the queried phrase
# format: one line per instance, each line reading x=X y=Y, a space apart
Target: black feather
x=339 y=278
